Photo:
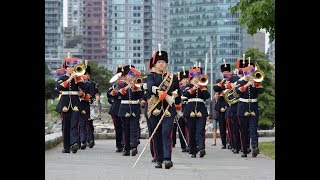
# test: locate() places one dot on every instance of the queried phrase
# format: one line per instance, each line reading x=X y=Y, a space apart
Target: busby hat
x=160 y=56
x=134 y=72
x=126 y=69
x=61 y=72
x=241 y=64
x=195 y=72
x=248 y=70
x=200 y=68
x=69 y=62
x=183 y=74
x=225 y=67
x=88 y=70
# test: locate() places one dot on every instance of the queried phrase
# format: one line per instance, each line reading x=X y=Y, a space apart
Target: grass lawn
x=267 y=148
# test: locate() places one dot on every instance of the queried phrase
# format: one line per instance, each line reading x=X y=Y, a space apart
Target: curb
x=52 y=140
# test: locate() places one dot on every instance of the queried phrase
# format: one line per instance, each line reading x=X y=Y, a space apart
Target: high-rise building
x=94 y=31
x=75 y=11
x=53 y=33
x=204 y=30
x=271 y=52
x=256 y=41
x=135 y=28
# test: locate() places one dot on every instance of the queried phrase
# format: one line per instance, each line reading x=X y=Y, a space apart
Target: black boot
x=91 y=144
x=168 y=164
x=134 y=152
x=193 y=155
x=159 y=165
x=75 y=147
x=202 y=152
x=255 y=152
x=244 y=155
x=83 y=145
x=65 y=151
x=119 y=149
x=126 y=153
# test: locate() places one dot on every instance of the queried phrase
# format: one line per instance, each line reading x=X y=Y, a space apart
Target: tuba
x=231 y=96
x=258 y=74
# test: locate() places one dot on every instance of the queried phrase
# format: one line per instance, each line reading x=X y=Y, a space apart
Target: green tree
x=74 y=41
x=50 y=92
x=266 y=100
x=257 y=15
x=101 y=75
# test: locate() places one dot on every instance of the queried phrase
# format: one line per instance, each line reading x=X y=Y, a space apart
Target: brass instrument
x=137 y=81
x=258 y=74
x=203 y=80
x=231 y=96
x=79 y=70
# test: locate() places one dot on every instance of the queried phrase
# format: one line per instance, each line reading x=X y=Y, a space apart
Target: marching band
x=169 y=102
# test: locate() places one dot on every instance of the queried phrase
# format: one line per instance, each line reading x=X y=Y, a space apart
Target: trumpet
x=258 y=74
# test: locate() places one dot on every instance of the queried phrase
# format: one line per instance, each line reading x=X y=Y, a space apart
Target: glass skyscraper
x=204 y=27
x=53 y=33
x=134 y=29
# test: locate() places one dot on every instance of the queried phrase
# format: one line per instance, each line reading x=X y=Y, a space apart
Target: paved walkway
x=102 y=162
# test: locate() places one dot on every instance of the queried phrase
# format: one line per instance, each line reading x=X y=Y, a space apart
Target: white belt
x=129 y=101
x=247 y=100
x=69 y=92
x=195 y=100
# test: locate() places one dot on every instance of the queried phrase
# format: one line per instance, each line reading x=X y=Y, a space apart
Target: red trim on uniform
x=229 y=131
x=65 y=84
x=257 y=85
x=79 y=79
x=242 y=88
x=123 y=91
x=113 y=92
x=222 y=93
x=162 y=95
x=228 y=85
x=135 y=88
x=87 y=97
x=241 y=143
x=202 y=88
x=220 y=83
x=191 y=90
x=179 y=106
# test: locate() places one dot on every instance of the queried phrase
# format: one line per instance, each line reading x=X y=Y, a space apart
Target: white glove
x=179 y=114
x=169 y=99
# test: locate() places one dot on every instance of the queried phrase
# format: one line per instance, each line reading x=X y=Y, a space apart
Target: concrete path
x=102 y=162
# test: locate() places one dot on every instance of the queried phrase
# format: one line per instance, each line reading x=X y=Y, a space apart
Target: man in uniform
x=196 y=112
x=129 y=110
x=95 y=96
x=248 y=111
x=84 y=108
x=69 y=85
x=221 y=105
x=165 y=100
x=181 y=123
x=115 y=101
